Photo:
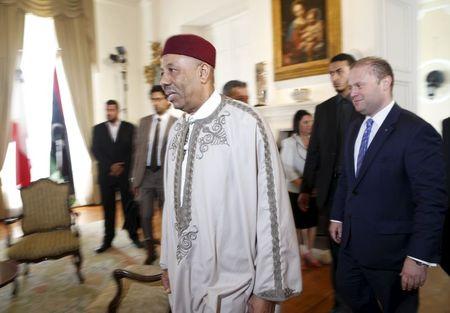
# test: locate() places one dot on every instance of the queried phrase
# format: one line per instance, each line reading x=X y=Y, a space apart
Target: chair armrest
x=73 y=221
x=118 y=274
x=9 y=217
x=74 y=216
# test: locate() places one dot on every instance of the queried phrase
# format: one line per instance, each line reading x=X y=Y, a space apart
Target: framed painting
x=307 y=33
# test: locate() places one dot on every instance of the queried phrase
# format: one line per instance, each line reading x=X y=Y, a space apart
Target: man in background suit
x=148 y=160
x=390 y=203
x=324 y=158
x=445 y=261
x=112 y=145
x=235 y=89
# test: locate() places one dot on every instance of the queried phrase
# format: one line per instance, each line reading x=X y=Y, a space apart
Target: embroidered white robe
x=231 y=234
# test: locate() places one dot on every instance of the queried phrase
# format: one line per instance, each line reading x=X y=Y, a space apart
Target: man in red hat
x=228 y=239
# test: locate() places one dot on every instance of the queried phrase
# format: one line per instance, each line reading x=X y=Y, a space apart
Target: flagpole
x=125 y=89
x=121 y=57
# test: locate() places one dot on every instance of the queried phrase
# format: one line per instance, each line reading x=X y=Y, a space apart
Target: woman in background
x=293 y=157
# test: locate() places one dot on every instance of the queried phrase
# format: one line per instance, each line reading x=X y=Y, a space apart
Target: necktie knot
x=369 y=123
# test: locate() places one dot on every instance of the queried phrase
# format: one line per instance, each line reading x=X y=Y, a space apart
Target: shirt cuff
x=423 y=262
x=336 y=221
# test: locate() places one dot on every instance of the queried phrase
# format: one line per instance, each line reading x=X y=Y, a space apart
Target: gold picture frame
x=307 y=33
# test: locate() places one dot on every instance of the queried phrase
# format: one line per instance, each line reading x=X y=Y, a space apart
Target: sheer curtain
x=11 y=38
x=75 y=53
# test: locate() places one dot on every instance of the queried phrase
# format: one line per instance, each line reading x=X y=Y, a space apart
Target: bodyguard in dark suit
x=112 y=146
x=324 y=159
x=445 y=262
x=390 y=203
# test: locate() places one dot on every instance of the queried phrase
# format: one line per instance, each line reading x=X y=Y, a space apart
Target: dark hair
x=343 y=57
x=380 y=67
x=113 y=102
x=158 y=88
x=297 y=118
x=232 y=84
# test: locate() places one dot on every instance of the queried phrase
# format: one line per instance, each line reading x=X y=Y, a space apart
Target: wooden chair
x=48 y=225
x=139 y=286
x=135 y=289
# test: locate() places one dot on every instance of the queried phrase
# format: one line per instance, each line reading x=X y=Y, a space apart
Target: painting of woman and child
x=307 y=33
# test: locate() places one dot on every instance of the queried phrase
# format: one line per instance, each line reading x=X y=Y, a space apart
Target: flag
x=19 y=133
x=60 y=166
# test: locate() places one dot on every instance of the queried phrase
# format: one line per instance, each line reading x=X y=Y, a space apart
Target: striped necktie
x=364 y=144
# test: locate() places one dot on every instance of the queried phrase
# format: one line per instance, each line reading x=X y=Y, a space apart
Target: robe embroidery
x=214 y=135
x=176 y=140
x=272 y=205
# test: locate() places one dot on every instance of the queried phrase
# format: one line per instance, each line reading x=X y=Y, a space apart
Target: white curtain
x=76 y=60
x=11 y=38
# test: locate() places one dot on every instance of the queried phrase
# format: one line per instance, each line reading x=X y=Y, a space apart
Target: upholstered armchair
x=48 y=226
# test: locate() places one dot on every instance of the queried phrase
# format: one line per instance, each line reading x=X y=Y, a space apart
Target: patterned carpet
x=53 y=287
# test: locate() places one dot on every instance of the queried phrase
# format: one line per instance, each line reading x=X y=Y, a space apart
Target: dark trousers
x=108 y=188
x=150 y=192
x=368 y=290
x=334 y=247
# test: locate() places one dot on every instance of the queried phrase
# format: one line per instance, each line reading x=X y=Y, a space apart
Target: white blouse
x=293 y=157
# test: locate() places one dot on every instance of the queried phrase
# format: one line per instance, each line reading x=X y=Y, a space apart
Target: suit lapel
x=146 y=134
x=119 y=132
x=353 y=135
x=383 y=133
x=333 y=123
x=108 y=133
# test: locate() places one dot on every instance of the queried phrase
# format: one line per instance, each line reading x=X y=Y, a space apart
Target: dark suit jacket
x=141 y=147
x=396 y=205
x=107 y=152
x=445 y=262
x=323 y=150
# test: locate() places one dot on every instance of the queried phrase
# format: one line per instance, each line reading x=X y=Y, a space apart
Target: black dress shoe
x=138 y=244
x=103 y=248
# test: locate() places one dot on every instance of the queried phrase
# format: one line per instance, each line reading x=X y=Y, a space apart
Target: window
x=38 y=62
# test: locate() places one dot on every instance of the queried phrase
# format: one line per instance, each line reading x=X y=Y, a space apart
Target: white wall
x=434 y=53
x=121 y=23
x=363 y=33
x=371 y=27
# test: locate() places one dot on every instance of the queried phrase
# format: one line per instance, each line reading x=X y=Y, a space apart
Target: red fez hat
x=192 y=46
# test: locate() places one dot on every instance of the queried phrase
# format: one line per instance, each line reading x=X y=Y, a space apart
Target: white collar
x=206 y=109
x=116 y=124
x=162 y=117
x=381 y=115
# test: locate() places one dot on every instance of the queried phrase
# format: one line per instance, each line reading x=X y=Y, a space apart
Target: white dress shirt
x=113 y=129
x=378 y=120
x=205 y=110
x=164 y=119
